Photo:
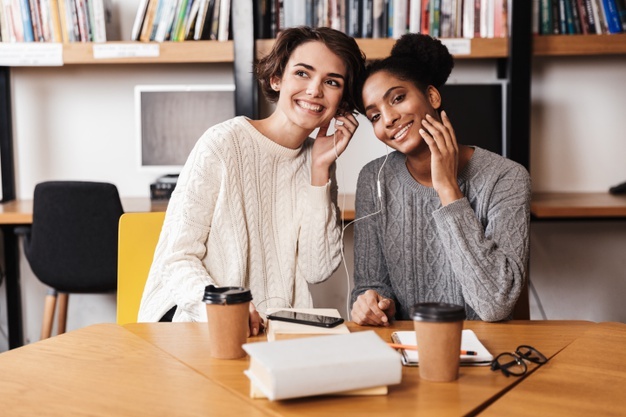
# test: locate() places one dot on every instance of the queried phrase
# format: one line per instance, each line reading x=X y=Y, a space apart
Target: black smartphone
x=305 y=318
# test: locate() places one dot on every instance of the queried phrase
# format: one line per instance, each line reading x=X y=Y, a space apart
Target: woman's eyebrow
x=385 y=96
x=312 y=68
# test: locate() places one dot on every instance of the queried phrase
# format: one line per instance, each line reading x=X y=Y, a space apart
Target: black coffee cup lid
x=226 y=295
x=437 y=312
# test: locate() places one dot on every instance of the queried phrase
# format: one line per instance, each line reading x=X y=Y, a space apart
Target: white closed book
x=322 y=365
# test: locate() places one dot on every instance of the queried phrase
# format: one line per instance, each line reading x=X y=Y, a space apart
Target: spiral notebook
x=469 y=341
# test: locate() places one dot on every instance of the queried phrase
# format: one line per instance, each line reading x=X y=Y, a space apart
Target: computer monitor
x=477 y=113
x=171 y=118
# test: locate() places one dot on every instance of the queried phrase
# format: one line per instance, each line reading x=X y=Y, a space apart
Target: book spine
x=569 y=19
x=165 y=20
x=468 y=20
x=223 y=30
x=378 y=18
x=367 y=16
x=45 y=12
x=4 y=25
x=576 y=16
x=613 y=22
x=141 y=13
x=190 y=19
x=178 y=20
x=83 y=23
x=445 y=16
x=99 y=21
x=621 y=11
x=545 y=13
x=433 y=16
x=601 y=16
x=27 y=22
x=156 y=20
x=498 y=24
x=200 y=19
x=148 y=21
x=35 y=17
x=55 y=21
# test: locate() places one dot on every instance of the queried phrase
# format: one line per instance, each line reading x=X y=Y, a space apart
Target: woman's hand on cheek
x=327 y=148
x=440 y=138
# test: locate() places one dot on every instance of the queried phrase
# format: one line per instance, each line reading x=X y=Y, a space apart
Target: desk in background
x=20 y=213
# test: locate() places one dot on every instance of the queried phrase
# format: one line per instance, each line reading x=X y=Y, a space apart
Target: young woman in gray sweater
x=451 y=221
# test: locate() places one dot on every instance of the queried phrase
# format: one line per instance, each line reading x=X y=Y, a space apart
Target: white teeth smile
x=402 y=131
x=309 y=106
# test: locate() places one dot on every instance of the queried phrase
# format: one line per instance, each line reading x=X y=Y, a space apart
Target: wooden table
x=18 y=213
x=587 y=378
x=476 y=388
x=164 y=369
x=105 y=370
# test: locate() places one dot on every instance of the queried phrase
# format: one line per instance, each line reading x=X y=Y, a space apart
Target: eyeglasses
x=515 y=363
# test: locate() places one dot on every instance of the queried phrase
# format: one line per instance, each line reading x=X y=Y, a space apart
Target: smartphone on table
x=305 y=318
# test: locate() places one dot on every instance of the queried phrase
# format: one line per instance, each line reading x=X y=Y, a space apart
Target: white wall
x=77 y=122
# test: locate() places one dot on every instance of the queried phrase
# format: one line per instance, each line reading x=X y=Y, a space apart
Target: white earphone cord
x=344 y=226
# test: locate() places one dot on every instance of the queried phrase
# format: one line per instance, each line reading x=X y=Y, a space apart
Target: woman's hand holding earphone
x=327 y=148
x=444 y=160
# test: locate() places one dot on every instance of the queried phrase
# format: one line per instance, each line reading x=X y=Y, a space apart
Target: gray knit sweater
x=473 y=252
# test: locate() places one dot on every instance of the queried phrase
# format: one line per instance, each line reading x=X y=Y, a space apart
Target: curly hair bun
x=428 y=53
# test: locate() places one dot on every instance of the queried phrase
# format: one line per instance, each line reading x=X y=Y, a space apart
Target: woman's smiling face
x=312 y=85
x=396 y=108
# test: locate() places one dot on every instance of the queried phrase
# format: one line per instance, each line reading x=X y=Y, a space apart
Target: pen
x=414 y=347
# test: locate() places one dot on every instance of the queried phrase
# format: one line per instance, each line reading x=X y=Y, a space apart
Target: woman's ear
x=434 y=97
x=275 y=83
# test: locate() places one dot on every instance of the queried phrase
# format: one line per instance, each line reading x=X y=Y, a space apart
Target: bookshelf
x=580 y=205
x=510 y=51
x=81 y=53
x=545 y=206
x=579 y=45
x=380 y=48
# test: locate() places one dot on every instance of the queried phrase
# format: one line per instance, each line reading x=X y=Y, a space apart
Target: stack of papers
x=469 y=341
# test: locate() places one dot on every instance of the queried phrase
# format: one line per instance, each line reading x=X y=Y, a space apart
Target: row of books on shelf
x=55 y=20
x=387 y=18
x=574 y=17
x=180 y=20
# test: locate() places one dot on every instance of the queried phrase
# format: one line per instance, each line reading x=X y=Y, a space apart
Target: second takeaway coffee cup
x=227 y=311
x=438 y=328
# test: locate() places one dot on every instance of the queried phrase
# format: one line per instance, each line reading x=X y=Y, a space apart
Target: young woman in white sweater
x=256 y=202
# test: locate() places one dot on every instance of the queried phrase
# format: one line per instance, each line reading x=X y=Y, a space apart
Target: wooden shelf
x=223 y=52
x=578 y=205
x=380 y=48
x=575 y=45
x=169 y=53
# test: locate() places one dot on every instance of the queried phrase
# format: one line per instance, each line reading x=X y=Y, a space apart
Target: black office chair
x=72 y=243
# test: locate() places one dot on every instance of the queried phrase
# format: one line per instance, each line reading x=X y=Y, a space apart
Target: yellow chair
x=138 y=237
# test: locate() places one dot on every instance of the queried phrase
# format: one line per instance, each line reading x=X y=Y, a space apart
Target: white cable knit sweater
x=244 y=213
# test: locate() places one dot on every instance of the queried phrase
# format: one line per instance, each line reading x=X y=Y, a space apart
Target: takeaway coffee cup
x=227 y=313
x=438 y=328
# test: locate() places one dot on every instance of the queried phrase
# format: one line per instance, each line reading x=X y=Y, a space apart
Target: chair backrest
x=72 y=244
x=138 y=237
